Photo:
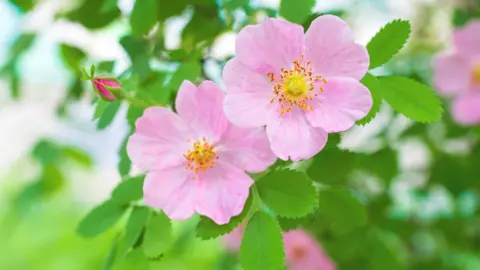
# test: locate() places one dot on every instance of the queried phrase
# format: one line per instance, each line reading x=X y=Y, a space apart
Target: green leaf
x=136 y=222
x=386 y=251
x=91 y=14
x=143 y=17
x=135 y=259
x=372 y=83
x=296 y=11
x=289 y=224
x=108 y=115
x=388 y=42
x=262 y=244
x=109 y=6
x=412 y=99
x=341 y=210
x=383 y=163
x=331 y=166
x=124 y=163
x=130 y=189
x=100 y=108
x=101 y=218
x=92 y=71
x=24 y=5
x=112 y=253
x=78 y=155
x=72 y=57
x=46 y=152
x=158 y=236
x=208 y=229
x=21 y=44
x=288 y=193
x=186 y=71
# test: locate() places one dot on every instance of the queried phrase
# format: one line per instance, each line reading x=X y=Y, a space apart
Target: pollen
x=476 y=74
x=201 y=157
x=295 y=87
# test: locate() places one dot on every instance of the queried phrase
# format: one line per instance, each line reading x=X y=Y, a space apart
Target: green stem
x=137 y=102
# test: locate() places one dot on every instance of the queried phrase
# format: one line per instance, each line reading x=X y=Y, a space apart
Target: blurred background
x=62 y=150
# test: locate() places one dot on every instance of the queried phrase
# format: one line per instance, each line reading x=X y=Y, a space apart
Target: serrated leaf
x=158 y=236
x=208 y=229
x=130 y=189
x=288 y=193
x=372 y=83
x=412 y=99
x=135 y=259
x=331 y=166
x=296 y=11
x=136 y=222
x=143 y=17
x=262 y=244
x=341 y=210
x=288 y=224
x=108 y=114
x=388 y=42
x=100 y=219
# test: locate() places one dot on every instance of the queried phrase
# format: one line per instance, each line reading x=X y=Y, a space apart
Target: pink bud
x=107 y=87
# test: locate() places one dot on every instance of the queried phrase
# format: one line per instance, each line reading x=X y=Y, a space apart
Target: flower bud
x=108 y=88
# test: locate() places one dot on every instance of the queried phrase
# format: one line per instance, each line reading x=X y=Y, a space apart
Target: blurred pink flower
x=301 y=86
x=457 y=73
x=196 y=159
x=107 y=87
x=302 y=251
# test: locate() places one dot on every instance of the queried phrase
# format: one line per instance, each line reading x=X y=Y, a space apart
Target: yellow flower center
x=476 y=74
x=295 y=86
x=201 y=156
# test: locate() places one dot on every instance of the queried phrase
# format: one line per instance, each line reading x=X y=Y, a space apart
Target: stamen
x=296 y=87
x=201 y=157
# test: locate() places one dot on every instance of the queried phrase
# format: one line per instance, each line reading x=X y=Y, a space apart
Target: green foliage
x=388 y=42
x=262 y=244
x=186 y=71
x=108 y=115
x=412 y=99
x=383 y=163
x=158 y=235
x=72 y=57
x=372 y=83
x=101 y=218
x=24 y=5
x=135 y=225
x=208 y=229
x=288 y=224
x=341 y=210
x=296 y=11
x=288 y=193
x=385 y=249
x=332 y=166
x=92 y=15
x=130 y=189
x=143 y=17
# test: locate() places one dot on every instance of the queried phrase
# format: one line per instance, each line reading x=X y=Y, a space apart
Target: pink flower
x=302 y=251
x=301 y=86
x=196 y=159
x=457 y=73
x=108 y=88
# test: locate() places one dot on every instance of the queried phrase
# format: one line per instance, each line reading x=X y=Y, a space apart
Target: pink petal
x=202 y=108
x=108 y=81
x=467 y=39
x=465 y=109
x=270 y=45
x=292 y=136
x=173 y=191
x=160 y=140
x=246 y=148
x=302 y=252
x=102 y=90
x=451 y=74
x=223 y=192
x=233 y=240
x=342 y=102
x=330 y=46
x=248 y=95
